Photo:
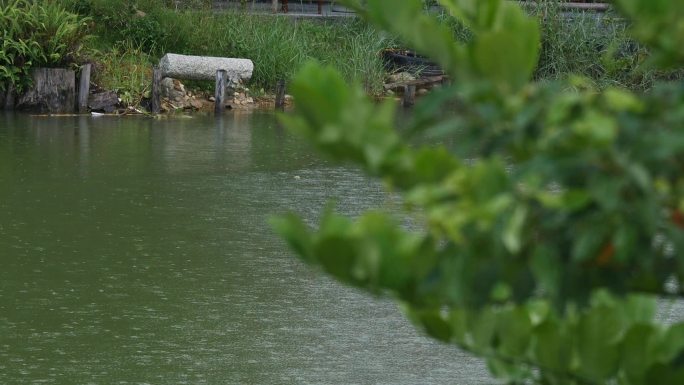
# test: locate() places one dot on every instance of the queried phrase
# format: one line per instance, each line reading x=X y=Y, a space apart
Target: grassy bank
x=129 y=36
x=277 y=45
x=596 y=46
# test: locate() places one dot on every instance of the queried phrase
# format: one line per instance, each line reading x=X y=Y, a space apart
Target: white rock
x=204 y=67
x=400 y=77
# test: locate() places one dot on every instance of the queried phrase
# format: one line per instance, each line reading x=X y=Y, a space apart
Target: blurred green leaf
x=513 y=233
x=598 y=335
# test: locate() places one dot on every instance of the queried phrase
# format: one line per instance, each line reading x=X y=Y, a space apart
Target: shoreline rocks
x=175 y=96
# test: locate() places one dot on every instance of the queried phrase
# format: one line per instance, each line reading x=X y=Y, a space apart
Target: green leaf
x=664 y=374
x=504 y=58
x=386 y=252
x=637 y=352
x=552 y=346
x=514 y=331
x=672 y=346
x=295 y=233
x=597 y=339
x=458 y=322
x=588 y=244
x=621 y=100
x=433 y=164
x=320 y=105
x=640 y=309
x=596 y=127
x=511 y=372
x=432 y=322
x=483 y=329
x=337 y=255
x=512 y=235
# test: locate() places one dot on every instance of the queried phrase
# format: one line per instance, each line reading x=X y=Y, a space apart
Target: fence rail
x=334 y=8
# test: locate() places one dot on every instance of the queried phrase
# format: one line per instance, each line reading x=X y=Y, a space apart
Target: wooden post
x=84 y=88
x=156 y=90
x=53 y=91
x=275 y=6
x=220 y=94
x=280 y=95
x=409 y=95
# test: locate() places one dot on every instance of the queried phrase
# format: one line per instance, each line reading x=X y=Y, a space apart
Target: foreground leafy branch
x=551 y=224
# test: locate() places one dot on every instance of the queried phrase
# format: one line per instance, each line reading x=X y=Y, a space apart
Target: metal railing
x=333 y=7
x=297 y=6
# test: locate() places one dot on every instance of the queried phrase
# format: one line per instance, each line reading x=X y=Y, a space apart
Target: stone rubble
x=176 y=97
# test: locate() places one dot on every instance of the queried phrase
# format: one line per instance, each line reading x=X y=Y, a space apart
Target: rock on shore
x=204 y=67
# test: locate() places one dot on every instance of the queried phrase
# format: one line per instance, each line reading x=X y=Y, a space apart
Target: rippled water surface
x=137 y=251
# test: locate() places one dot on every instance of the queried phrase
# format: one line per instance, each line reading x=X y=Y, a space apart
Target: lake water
x=137 y=251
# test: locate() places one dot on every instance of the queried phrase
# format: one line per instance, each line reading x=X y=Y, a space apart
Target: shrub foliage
x=551 y=224
x=36 y=33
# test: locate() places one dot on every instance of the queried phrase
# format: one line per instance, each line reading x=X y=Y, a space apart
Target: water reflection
x=137 y=251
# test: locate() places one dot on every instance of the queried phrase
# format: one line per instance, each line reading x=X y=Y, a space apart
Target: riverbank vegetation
x=589 y=44
x=277 y=45
x=127 y=37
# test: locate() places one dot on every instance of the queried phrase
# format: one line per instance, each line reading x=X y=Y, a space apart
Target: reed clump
x=597 y=46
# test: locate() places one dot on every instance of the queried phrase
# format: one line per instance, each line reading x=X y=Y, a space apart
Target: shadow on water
x=137 y=251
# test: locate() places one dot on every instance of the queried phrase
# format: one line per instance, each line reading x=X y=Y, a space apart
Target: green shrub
x=126 y=69
x=592 y=45
x=36 y=33
x=547 y=217
x=145 y=32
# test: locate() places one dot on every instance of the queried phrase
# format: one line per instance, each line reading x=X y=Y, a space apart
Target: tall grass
x=590 y=44
x=357 y=54
x=277 y=45
x=594 y=45
x=126 y=69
